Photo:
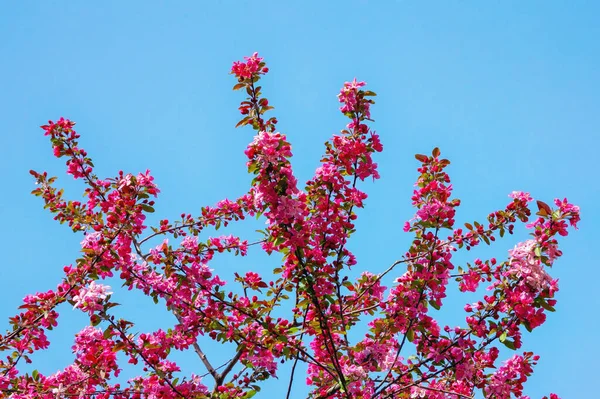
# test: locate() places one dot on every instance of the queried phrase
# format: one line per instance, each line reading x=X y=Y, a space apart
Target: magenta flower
x=245 y=70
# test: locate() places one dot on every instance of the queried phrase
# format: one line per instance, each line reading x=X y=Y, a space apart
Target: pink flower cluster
x=509 y=378
x=90 y=298
x=527 y=268
x=349 y=96
x=252 y=65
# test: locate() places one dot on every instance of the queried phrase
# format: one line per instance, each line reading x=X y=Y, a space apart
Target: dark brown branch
x=221 y=377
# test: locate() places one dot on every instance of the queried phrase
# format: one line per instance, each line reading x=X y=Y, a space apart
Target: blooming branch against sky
x=507 y=91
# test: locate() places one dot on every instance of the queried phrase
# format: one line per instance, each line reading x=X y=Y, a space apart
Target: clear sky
x=509 y=90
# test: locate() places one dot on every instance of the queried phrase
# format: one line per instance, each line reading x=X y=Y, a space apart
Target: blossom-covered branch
x=305 y=308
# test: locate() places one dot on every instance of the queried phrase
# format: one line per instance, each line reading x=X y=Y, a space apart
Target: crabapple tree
x=303 y=310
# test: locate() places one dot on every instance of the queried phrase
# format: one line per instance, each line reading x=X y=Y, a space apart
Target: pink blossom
x=246 y=69
x=470 y=281
x=190 y=243
x=74 y=168
x=509 y=378
x=521 y=196
x=254 y=280
x=525 y=265
x=569 y=209
x=91 y=241
x=89 y=298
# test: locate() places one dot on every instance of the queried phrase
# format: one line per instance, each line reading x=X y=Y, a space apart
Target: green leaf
x=95 y=320
x=546 y=306
x=509 y=344
x=410 y=335
x=147 y=208
x=503 y=336
x=282 y=338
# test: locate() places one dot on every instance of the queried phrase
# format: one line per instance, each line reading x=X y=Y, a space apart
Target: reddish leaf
x=543 y=206
x=243 y=122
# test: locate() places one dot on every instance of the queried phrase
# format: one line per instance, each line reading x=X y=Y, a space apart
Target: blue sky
x=508 y=90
